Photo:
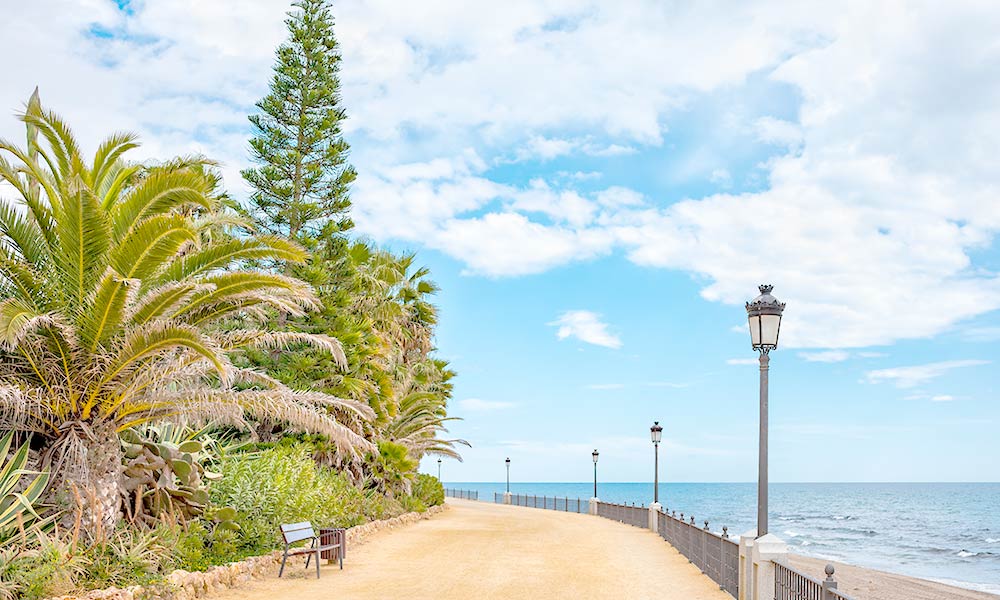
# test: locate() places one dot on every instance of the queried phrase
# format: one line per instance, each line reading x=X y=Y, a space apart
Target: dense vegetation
x=180 y=372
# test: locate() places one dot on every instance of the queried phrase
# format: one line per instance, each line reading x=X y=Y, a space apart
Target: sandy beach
x=483 y=550
x=869 y=584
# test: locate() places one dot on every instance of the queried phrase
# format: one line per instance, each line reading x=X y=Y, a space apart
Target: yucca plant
x=17 y=499
x=124 y=297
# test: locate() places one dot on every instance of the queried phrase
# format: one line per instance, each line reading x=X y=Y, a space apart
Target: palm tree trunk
x=87 y=477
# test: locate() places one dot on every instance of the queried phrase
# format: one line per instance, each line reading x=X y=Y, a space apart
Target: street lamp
x=764 y=316
x=508 y=475
x=656 y=433
x=595 y=471
x=439 y=468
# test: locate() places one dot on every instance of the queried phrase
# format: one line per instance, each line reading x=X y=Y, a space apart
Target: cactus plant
x=165 y=475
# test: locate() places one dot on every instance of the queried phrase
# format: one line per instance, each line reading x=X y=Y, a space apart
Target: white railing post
x=766 y=551
x=654 y=517
x=746 y=565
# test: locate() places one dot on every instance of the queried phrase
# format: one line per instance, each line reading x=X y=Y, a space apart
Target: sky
x=599 y=187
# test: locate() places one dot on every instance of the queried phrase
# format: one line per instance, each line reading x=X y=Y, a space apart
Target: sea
x=946 y=532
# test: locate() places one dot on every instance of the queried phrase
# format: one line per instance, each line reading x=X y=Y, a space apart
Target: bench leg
x=284 y=558
x=309 y=557
x=317 y=563
x=340 y=556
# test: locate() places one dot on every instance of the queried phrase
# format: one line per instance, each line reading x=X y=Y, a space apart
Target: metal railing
x=715 y=554
x=790 y=584
x=464 y=494
x=564 y=503
x=637 y=516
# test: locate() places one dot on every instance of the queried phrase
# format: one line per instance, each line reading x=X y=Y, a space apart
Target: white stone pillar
x=593 y=506
x=506 y=497
x=654 y=517
x=746 y=565
x=766 y=551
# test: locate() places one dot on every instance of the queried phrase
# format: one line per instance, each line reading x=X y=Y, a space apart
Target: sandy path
x=477 y=550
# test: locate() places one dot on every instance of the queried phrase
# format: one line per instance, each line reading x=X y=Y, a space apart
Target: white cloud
x=585 y=326
x=777 y=131
x=605 y=386
x=942 y=398
x=827 y=356
x=885 y=195
x=907 y=377
x=742 y=361
x=477 y=405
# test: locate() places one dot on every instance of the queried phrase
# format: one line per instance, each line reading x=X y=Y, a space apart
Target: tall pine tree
x=301 y=182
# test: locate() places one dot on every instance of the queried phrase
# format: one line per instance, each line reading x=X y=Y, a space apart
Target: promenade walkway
x=477 y=550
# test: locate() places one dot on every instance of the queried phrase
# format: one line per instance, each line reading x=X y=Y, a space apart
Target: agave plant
x=124 y=298
x=17 y=499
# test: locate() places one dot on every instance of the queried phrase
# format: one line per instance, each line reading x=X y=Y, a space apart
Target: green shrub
x=428 y=489
x=284 y=484
x=412 y=504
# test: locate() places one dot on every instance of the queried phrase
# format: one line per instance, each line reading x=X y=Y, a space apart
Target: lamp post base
x=593 y=505
x=506 y=497
x=654 y=516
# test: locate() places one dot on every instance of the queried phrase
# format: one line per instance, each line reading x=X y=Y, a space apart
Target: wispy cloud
x=912 y=376
x=605 y=386
x=742 y=361
x=477 y=405
x=826 y=356
x=666 y=384
x=982 y=334
x=585 y=326
x=942 y=398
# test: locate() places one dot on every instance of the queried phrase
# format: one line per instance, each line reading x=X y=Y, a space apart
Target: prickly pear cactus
x=165 y=478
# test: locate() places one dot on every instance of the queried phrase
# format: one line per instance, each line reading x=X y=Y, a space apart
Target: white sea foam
x=792 y=534
x=966 y=553
x=990 y=588
x=992 y=540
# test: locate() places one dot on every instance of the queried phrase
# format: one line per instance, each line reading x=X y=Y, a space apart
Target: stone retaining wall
x=183 y=585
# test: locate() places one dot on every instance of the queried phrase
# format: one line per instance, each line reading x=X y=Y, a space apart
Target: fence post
x=654 y=516
x=704 y=549
x=745 y=583
x=829 y=583
x=767 y=550
x=723 y=570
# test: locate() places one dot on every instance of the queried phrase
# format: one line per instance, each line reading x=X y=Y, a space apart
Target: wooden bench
x=301 y=532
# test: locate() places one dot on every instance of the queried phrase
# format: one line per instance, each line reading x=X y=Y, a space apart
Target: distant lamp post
x=656 y=433
x=439 y=469
x=764 y=315
x=508 y=475
x=595 y=471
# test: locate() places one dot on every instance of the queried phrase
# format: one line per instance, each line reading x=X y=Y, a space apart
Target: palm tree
x=124 y=298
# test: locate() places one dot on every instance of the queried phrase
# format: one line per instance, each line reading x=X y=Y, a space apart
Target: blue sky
x=598 y=189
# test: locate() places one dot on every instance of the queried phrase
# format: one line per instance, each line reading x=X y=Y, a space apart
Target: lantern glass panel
x=769 y=325
x=754 y=330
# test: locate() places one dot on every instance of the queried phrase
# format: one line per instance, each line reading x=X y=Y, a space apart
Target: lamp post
x=439 y=468
x=656 y=433
x=764 y=316
x=508 y=475
x=595 y=471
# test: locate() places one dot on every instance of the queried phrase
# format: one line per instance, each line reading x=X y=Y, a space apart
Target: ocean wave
x=969 y=554
x=992 y=540
x=792 y=534
x=990 y=588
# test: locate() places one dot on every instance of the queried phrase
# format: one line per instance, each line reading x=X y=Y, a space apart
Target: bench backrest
x=296 y=532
